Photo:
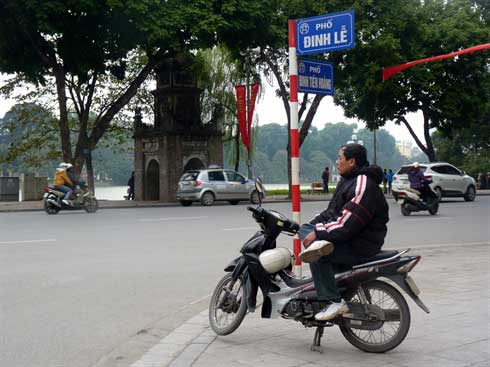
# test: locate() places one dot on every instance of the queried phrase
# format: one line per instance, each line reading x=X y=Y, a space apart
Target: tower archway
x=152 y=181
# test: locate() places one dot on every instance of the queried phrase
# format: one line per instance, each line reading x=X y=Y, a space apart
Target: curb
x=181 y=347
x=7 y=207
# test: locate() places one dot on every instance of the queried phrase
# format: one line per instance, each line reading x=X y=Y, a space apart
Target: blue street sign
x=315 y=77
x=325 y=33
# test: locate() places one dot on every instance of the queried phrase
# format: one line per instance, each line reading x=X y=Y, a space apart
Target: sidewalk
x=11 y=206
x=454 y=284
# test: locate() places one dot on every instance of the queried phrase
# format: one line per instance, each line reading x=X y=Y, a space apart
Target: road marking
x=448 y=245
x=26 y=241
x=426 y=218
x=170 y=218
x=239 y=229
x=200 y=299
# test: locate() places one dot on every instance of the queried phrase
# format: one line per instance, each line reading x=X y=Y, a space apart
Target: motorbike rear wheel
x=91 y=205
x=227 y=309
x=405 y=208
x=390 y=334
x=50 y=208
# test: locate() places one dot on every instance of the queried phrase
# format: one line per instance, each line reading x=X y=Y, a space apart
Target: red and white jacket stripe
x=357 y=214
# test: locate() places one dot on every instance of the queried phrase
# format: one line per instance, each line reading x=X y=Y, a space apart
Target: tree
x=218 y=73
x=28 y=138
x=445 y=92
x=387 y=155
x=77 y=46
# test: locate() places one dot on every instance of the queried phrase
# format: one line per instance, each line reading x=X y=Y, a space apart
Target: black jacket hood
x=374 y=172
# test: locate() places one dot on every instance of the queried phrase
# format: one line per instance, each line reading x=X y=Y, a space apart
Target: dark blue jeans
x=323 y=270
x=66 y=190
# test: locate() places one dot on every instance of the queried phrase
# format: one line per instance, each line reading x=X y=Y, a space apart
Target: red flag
x=251 y=106
x=392 y=70
x=241 y=106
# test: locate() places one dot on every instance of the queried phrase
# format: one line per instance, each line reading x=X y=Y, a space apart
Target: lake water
x=117 y=192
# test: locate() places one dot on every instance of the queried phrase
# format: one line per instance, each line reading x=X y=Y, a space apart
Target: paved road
x=97 y=290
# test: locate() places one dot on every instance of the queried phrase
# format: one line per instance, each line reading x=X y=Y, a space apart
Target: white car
x=447 y=180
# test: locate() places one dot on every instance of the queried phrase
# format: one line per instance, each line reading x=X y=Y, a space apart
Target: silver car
x=209 y=185
x=447 y=180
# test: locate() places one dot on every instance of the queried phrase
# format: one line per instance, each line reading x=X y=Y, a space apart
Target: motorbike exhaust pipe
x=54 y=202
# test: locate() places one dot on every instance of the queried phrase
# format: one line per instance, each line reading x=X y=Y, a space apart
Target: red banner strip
x=251 y=106
x=392 y=70
x=241 y=106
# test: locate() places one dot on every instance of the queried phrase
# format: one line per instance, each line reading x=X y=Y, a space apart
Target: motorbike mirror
x=260 y=188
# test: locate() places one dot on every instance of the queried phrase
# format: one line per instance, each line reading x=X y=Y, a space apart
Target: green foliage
x=395 y=32
x=217 y=75
x=468 y=149
x=28 y=138
x=114 y=160
x=92 y=55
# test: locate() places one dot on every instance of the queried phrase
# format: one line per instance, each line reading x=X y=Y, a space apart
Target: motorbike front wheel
x=228 y=306
x=434 y=208
x=390 y=311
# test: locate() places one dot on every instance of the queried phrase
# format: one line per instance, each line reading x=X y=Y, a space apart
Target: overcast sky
x=270 y=109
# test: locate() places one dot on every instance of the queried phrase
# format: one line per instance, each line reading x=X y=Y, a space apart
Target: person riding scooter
x=62 y=181
x=419 y=182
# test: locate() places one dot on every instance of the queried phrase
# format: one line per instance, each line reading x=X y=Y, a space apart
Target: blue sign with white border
x=324 y=33
x=315 y=77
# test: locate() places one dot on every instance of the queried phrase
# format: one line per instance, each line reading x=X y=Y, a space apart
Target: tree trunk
x=104 y=121
x=430 y=147
x=90 y=172
x=63 y=121
x=237 y=150
x=309 y=119
x=427 y=150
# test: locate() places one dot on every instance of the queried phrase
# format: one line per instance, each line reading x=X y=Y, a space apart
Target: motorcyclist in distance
x=418 y=181
x=62 y=181
x=73 y=178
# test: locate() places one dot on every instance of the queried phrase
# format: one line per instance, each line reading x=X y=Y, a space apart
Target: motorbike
x=410 y=200
x=81 y=198
x=378 y=319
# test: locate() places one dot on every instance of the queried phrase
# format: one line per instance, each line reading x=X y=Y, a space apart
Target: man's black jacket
x=357 y=214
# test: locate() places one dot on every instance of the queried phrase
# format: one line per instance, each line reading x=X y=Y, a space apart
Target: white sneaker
x=332 y=310
x=315 y=251
x=66 y=202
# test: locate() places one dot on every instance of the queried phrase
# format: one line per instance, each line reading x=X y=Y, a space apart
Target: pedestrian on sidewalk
x=355 y=222
x=131 y=187
x=389 y=178
x=385 y=181
x=325 y=179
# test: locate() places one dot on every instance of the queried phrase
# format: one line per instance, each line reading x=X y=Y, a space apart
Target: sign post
x=324 y=33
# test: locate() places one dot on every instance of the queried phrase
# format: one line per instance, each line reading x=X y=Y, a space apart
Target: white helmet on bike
x=66 y=165
x=276 y=259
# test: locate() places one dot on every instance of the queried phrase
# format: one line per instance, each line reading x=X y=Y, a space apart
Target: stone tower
x=178 y=141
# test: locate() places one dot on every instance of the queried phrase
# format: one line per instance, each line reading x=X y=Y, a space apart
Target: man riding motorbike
x=65 y=181
x=355 y=221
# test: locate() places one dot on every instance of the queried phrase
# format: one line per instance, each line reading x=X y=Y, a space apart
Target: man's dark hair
x=356 y=151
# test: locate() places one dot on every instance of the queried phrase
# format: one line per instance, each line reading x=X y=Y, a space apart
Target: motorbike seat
x=413 y=191
x=383 y=254
x=381 y=257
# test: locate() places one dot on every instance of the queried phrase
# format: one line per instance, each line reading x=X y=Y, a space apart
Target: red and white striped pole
x=293 y=109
